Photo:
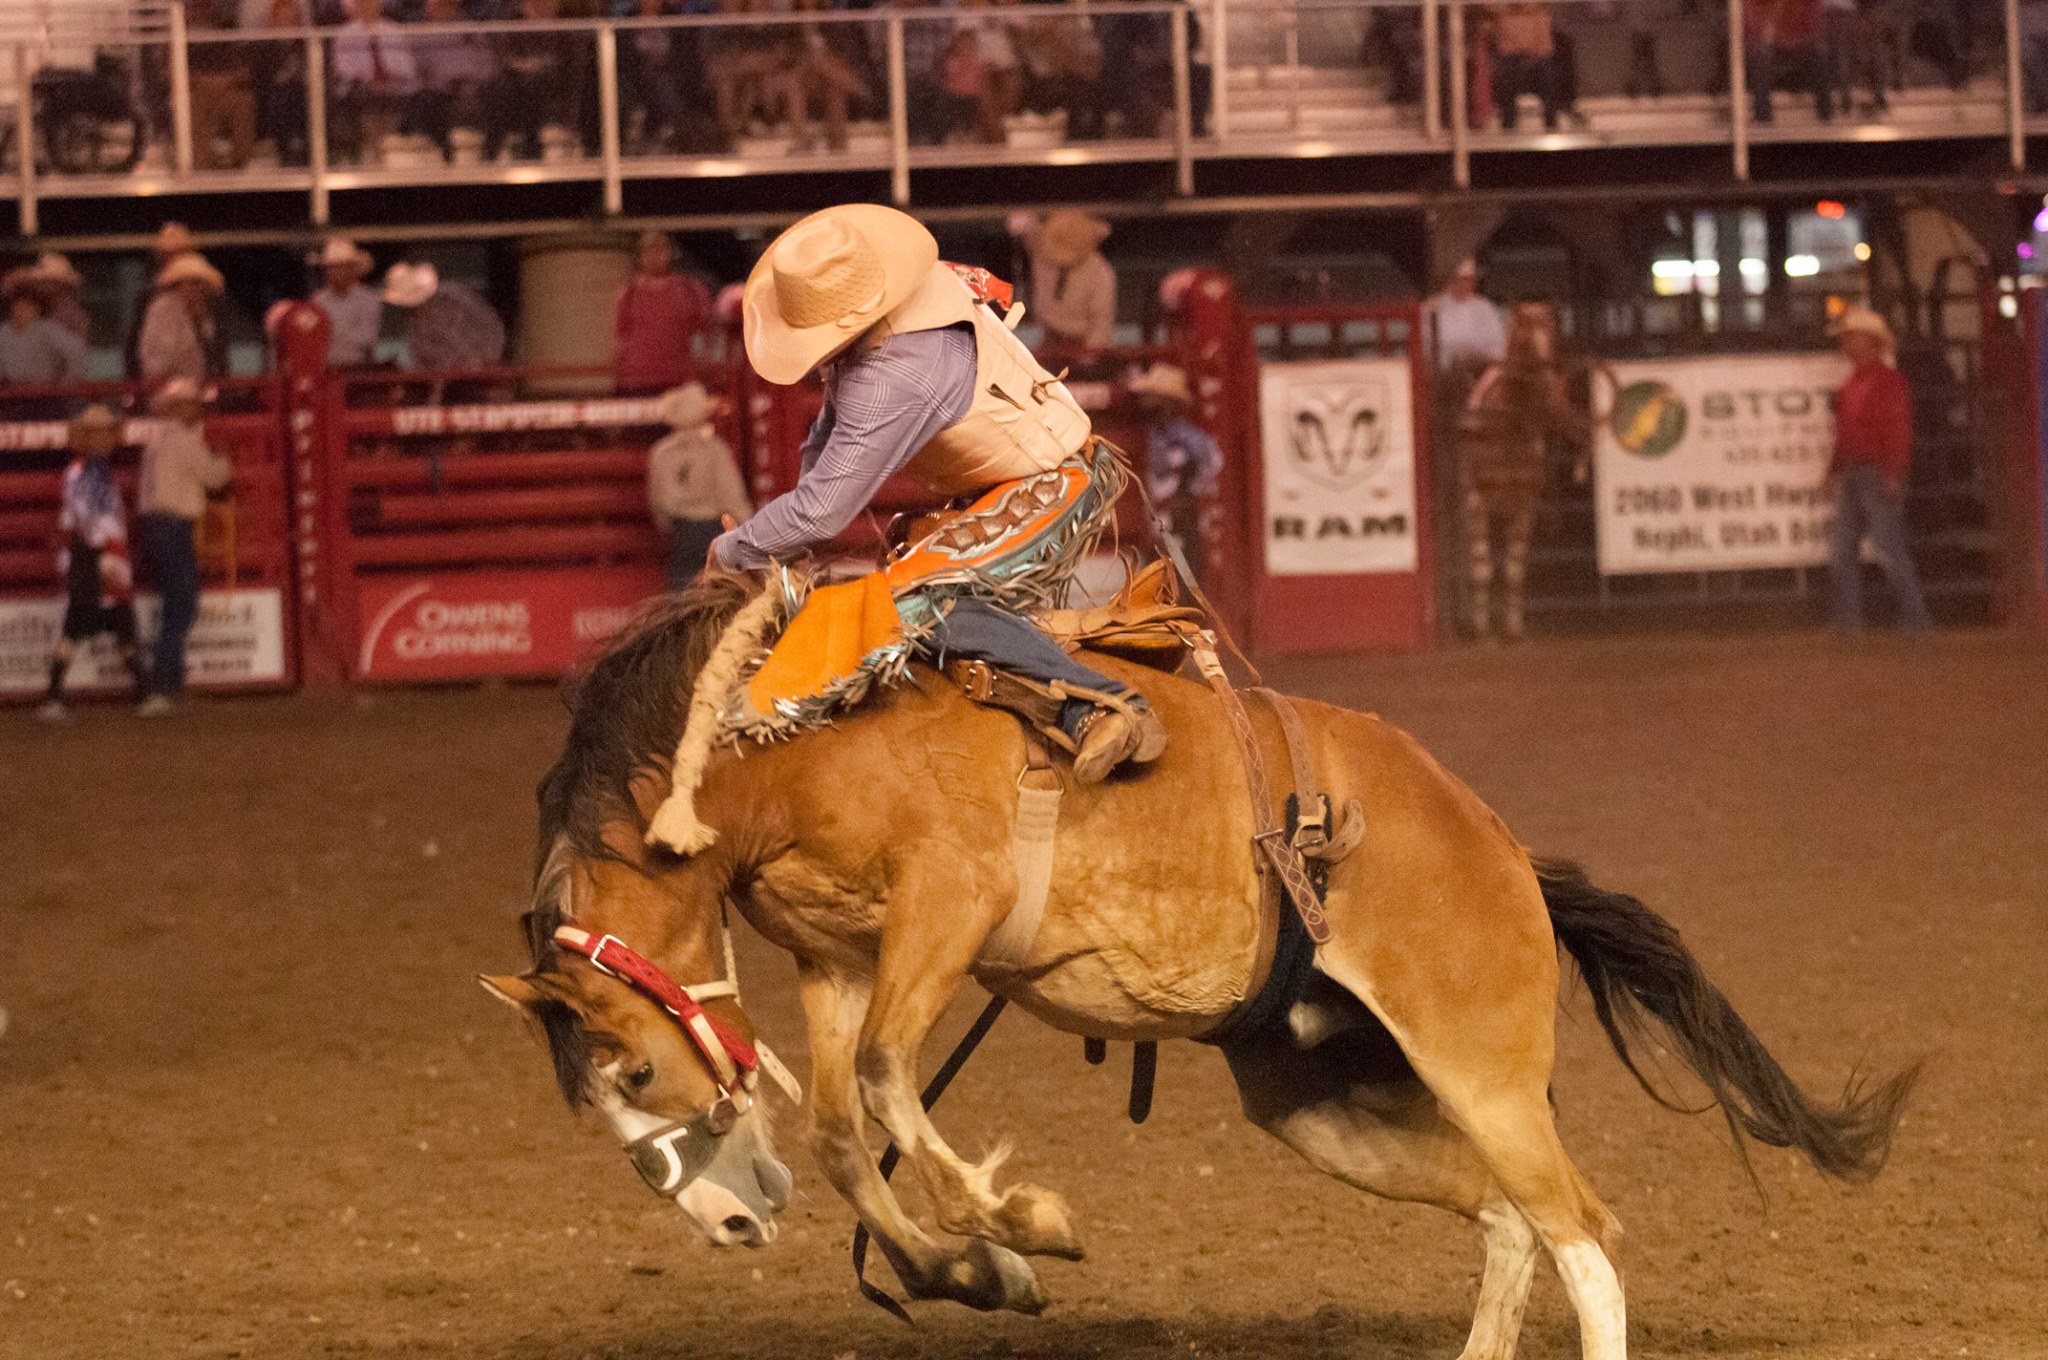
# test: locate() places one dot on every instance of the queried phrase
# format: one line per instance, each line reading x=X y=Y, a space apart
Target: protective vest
x=1022 y=421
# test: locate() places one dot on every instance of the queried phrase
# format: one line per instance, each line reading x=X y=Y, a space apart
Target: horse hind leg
x=1520 y=529
x=1479 y=559
x=1354 y=1111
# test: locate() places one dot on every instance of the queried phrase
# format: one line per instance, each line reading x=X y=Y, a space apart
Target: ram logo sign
x=1339 y=441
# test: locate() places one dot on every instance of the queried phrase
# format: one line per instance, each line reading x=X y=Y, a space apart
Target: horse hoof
x=1033 y=1220
x=1002 y=1279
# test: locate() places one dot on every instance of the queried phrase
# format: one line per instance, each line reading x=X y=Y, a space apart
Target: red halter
x=732 y=1060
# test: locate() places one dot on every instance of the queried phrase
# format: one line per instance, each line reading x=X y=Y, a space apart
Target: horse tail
x=1634 y=964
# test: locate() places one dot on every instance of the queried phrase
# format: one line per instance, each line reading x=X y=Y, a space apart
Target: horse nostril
x=739 y=1225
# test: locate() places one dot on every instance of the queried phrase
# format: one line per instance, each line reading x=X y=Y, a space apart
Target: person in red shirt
x=1873 y=452
x=1783 y=38
x=658 y=312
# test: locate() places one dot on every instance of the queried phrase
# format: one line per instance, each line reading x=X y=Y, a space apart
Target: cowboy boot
x=1111 y=736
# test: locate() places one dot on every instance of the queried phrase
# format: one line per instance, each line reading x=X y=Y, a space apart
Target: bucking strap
x=1031 y=852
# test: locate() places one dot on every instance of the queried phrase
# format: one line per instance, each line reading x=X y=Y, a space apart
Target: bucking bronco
x=1517 y=409
x=1374 y=952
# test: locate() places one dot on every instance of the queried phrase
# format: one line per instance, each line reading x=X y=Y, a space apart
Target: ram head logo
x=1338 y=436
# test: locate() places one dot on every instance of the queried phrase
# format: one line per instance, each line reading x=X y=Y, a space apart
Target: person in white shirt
x=694 y=488
x=355 y=314
x=1464 y=330
x=178 y=471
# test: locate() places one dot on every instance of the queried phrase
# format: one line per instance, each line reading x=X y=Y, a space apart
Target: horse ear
x=522 y=994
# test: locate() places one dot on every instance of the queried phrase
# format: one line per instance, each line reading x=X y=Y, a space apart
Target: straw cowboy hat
x=95 y=417
x=1069 y=237
x=56 y=271
x=191 y=268
x=20 y=279
x=687 y=407
x=828 y=279
x=1864 y=321
x=173 y=239
x=409 y=285
x=175 y=395
x=1164 y=380
x=339 y=251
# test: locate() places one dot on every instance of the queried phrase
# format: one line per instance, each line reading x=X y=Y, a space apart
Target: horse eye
x=640 y=1076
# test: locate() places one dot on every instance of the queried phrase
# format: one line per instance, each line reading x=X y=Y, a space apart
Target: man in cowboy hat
x=92 y=527
x=1073 y=288
x=693 y=484
x=1873 y=453
x=178 y=472
x=34 y=350
x=181 y=336
x=1181 y=461
x=355 y=314
x=449 y=327
x=923 y=377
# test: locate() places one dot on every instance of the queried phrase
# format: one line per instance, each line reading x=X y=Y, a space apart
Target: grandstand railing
x=1103 y=81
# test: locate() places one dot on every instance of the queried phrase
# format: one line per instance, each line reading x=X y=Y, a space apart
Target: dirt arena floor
x=252 y=1103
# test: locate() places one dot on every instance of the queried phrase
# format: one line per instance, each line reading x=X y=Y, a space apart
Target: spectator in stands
x=173 y=242
x=1524 y=62
x=1463 y=331
x=2034 y=53
x=1182 y=462
x=355 y=314
x=223 y=91
x=1139 y=49
x=92 y=530
x=928 y=108
x=655 y=317
x=376 y=81
x=747 y=68
x=455 y=70
x=822 y=71
x=653 y=81
x=178 y=472
x=1782 y=39
x=1062 y=63
x=1873 y=454
x=982 y=73
x=61 y=287
x=449 y=326
x=278 y=70
x=526 y=94
x=694 y=488
x=34 y=350
x=181 y=335
x=1073 y=288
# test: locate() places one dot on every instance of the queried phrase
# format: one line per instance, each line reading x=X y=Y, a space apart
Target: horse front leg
x=983 y=1276
x=939 y=916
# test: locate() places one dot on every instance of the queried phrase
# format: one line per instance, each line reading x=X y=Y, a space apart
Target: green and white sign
x=1717 y=463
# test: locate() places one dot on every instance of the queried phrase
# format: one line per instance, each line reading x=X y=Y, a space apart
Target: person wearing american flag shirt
x=93 y=559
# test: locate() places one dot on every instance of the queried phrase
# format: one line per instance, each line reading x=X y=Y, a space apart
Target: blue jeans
x=171 y=554
x=1864 y=506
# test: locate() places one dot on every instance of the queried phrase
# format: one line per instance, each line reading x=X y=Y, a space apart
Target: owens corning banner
x=237 y=642
x=1339 y=440
x=1716 y=463
x=464 y=625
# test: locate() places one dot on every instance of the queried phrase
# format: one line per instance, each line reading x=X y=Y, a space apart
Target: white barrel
x=567 y=285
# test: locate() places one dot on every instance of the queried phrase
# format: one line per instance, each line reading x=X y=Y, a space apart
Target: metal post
x=1294 y=66
x=2015 y=91
x=1738 y=92
x=608 y=118
x=1461 y=152
x=899 y=116
x=181 y=93
x=25 y=125
x=1219 y=69
x=316 y=124
x=1432 y=72
x=1183 y=110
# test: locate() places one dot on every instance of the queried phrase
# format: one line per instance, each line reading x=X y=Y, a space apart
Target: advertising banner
x=1716 y=463
x=467 y=625
x=1339 y=442
x=237 y=643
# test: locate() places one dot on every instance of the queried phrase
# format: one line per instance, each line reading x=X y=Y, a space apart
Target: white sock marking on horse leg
x=1504 y=1287
x=1595 y=1292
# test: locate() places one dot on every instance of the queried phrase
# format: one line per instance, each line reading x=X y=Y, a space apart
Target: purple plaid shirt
x=881 y=406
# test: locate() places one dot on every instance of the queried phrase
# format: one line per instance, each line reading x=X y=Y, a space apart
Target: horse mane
x=626 y=713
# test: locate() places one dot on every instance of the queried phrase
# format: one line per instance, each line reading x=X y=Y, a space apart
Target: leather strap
x=1031 y=853
x=1211 y=667
x=1311 y=821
